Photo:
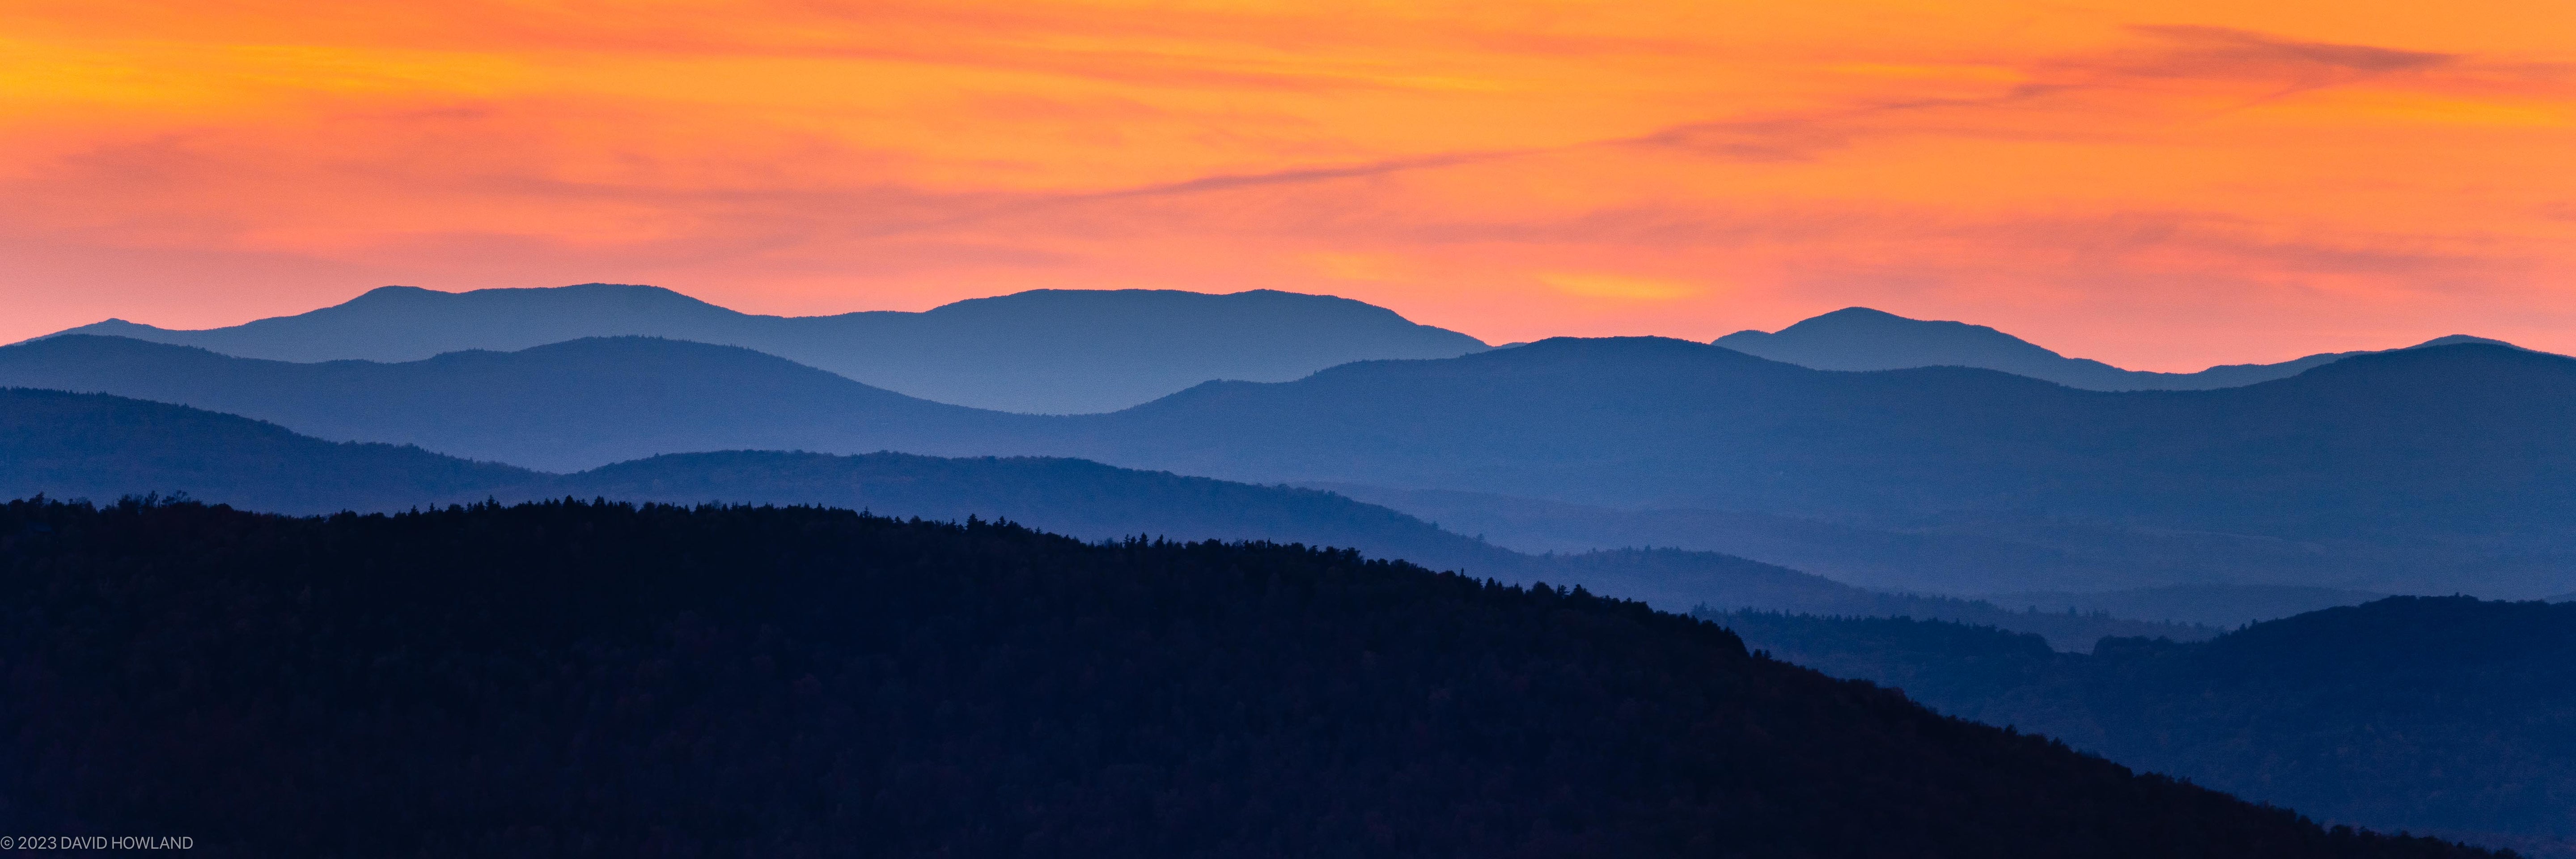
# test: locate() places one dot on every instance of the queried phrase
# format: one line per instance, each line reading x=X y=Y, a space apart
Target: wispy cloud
x=2222 y=52
x=1515 y=169
x=1296 y=176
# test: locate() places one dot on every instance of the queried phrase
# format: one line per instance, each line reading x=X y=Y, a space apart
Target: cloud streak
x=1515 y=170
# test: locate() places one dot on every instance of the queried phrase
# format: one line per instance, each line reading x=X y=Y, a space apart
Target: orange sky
x=2163 y=185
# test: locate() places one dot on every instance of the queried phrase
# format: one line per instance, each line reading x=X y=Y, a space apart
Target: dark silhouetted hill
x=1073 y=497
x=1045 y=351
x=1858 y=338
x=2423 y=713
x=571 y=679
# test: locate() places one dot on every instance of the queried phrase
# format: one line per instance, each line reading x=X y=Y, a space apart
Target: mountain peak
x=1560 y=349
x=592 y=298
x=1861 y=338
x=1868 y=313
x=2457 y=339
x=1859 y=320
x=1048 y=307
x=396 y=291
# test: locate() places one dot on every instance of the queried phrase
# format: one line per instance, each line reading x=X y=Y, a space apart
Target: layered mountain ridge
x=1639 y=468
x=1963 y=556
x=1042 y=351
x=101 y=448
x=2424 y=470
x=1862 y=339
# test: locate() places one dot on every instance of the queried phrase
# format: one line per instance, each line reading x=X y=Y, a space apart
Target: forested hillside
x=1093 y=501
x=2444 y=714
x=575 y=679
x=1073 y=497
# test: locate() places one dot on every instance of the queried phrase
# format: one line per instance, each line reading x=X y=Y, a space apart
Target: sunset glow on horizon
x=2163 y=186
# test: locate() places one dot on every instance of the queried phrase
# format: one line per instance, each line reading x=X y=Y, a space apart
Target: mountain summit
x=1048 y=351
x=1858 y=338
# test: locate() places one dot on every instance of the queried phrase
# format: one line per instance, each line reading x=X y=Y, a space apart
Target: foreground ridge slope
x=570 y=678
x=2447 y=714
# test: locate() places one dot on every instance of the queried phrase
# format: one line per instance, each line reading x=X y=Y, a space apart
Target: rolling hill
x=1858 y=338
x=2221 y=606
x=578 y=679
x=1096 y=502
x=2448 y=463
x=2443 y=714
x=559 y=407
x=1625 y=421
x=2445 y=468
x=1044 y=351
x=91 y=446
x=101 y=447
x=1978 y=555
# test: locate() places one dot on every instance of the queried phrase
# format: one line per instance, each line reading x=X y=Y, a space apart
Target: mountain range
x=1086 y=351
x=2429 y=714
x=1861 y=339
x=2434 y=470
x=101 y=447
x=1044 y=351
x=1634 y=468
